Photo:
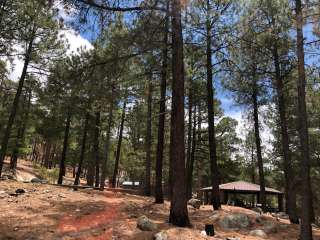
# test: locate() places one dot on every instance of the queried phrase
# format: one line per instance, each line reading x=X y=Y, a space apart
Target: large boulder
x=257 y=210
x=234 y=221
x=269 y=227
x=196 y=203
x=258 y=233
x=215 y=216
x=145 y=224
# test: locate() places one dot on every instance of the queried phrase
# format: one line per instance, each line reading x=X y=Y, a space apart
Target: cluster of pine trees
x=144 y=100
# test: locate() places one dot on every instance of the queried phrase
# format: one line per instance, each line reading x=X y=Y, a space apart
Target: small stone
x=20 y=191
x=203 y=233
x=232 y=238
x=161 y=236
x=145 y=224
x=36 y=180
x=258 y=233
x=196 y=203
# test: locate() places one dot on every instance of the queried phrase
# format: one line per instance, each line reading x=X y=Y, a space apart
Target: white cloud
x=15 y=69
x=244 y=125
x=74 y=40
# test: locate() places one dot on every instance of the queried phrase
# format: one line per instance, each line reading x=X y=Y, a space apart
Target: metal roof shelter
x=242 y=187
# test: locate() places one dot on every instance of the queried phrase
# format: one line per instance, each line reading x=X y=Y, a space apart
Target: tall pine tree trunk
x=178 y=207
x=215 y=176
x=107 y=148
x=189 y=147
x=147 y=187
x=116 y=165
x=83 y=149
x=14 y=108
x=21 y=132
x=90 y=167
x=62 y=169
x=290 y=194
x=96 y=149
x=162 y=112
x=306 y=213
x=192 y=155
x=258 y=144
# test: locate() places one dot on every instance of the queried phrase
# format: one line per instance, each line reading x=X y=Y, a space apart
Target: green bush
x=51 y=175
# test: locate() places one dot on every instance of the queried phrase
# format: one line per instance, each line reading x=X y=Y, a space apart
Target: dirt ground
x=52 y=212
x=48 y=212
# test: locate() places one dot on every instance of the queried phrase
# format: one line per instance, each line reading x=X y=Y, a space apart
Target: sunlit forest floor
x=46 y=211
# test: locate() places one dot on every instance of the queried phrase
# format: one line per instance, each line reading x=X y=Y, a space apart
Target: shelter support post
x=225 y=197
x=280 y=202
x=206 y=197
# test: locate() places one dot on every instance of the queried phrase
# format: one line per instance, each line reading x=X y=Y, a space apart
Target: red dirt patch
x=95 y=220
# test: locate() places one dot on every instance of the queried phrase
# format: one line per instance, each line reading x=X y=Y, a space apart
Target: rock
x=8 y=176
x=234 y=221
x=36 y=180
x=258 y=233
x=20 y=191
x=203 y=233
x=161 y=236
x=196 y=203
x=257 y=210
x=283 y=226
x=145 y=224
x=3 y=178
x=269 y=227
x=3 y=194
x=215 y=216
x=260 y=219
x=283 y=215
x=232 y=238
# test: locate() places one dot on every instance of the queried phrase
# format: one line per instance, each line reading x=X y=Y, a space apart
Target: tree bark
x=107 y=147
x=6 y=136
x=192 y=155
x=215 y=175
x=62 y=169
x=291 y=207
x=188 y=162
x=83 y=149
x=147 y=187
x=258 y=143
x=162 y=112
x=306 y=213
x=96 y=149
x=21 y=132
x=178 y=207
x=116 y=165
